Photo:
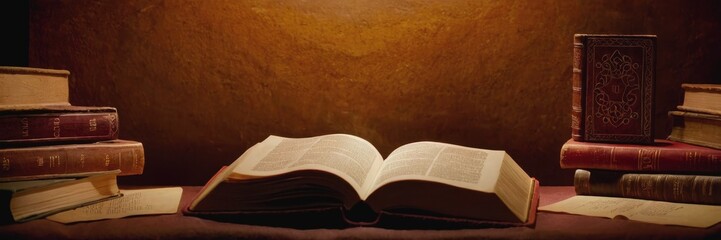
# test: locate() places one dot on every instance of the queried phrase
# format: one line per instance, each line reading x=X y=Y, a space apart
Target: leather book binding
x=699 y=189
x=57 y=125
x=613 y=88
x=70 y=160
x=662 y=156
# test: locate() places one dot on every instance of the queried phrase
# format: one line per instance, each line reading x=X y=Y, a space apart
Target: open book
x=280 y=179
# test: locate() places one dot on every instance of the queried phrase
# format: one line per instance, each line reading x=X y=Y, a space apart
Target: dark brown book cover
x=56 y=125
x=40 y=162
x=337 y=217
x=613 y=88
x=698 y=189
x=662 y=156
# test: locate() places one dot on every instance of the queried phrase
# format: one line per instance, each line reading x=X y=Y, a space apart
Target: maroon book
x=56 y=125
x=70 y=160
x=663 y=156
x=613 y=88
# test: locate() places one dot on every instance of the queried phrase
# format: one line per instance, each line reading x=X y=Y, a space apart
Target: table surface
x=176 y=226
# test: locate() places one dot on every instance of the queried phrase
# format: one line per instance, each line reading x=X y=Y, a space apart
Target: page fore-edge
x=334 y=217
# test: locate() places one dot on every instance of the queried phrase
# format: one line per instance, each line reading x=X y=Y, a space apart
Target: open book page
x=351 y=158
x=441 y=162
x=133 y=202
x=659 y=212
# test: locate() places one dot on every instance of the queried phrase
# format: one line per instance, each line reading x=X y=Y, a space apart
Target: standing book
x=342 y=180
x=613 y=88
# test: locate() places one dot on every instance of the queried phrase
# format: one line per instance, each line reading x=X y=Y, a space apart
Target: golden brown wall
x=198 y=82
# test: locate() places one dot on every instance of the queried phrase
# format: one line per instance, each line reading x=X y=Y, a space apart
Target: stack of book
x=55 y=156
x=698 y=120
x=612 y=145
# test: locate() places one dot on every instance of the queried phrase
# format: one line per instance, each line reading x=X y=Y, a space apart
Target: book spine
x=644 y=159
x=577 y=89
x=662 y=187
x=46 y=128
x=54 y=161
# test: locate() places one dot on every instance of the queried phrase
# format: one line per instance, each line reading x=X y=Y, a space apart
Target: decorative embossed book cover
x=613 y=88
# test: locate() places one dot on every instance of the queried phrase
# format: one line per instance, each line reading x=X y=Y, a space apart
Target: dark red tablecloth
x=177 y=226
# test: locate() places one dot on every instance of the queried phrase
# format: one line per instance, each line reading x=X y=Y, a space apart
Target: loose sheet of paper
x=659 y=212
x=133 y=202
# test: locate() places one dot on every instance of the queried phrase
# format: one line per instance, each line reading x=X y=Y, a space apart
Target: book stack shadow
x=55 y=156
x=613 y=148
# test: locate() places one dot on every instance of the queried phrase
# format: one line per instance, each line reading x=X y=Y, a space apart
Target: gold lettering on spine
x=56 y=127
x=647 y=159
x=40 y=161
x=107 y=160
x=82 y=161
x=677 y=189
x=93 y=125
x=6 y=164
x=54 y=160
x=692 y=158
x=25 y=127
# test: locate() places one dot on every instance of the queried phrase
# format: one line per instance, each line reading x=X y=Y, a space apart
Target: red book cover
x=613 y=88
x=662 y=156
x=55 y=125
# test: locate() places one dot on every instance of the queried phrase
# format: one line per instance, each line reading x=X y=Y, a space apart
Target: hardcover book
x=27 y=200
x=24 y=87
x=56 y=125
x=663 y=156
x=701 y=98
x=57 y=161
x=343 y=181
x=613 y=88
x=698 y=189
x=696 y=128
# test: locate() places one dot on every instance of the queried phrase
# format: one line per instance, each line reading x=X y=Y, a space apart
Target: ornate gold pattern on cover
x=618 y=89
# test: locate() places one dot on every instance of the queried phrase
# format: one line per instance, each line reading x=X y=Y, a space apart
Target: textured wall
x=200 y=81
